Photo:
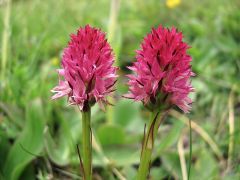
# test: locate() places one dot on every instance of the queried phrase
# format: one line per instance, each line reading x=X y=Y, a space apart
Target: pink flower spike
x=87 y=69
x=162 y=71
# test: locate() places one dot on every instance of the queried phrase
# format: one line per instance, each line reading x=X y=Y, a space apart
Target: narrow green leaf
x=29 y=143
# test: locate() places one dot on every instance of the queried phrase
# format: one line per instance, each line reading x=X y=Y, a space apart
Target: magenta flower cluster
x=162 y=71
x=87 y=74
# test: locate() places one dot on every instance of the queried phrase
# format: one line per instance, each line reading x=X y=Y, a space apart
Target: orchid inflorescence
x=162 y=71
x=87 y=69
x=160 y=79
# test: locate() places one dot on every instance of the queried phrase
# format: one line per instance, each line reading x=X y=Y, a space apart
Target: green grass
x=38 y=136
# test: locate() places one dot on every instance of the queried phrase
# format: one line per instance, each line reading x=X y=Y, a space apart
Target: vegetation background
x=38 y=136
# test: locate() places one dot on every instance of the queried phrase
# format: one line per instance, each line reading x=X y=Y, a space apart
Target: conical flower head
x=87 y=75
x=162 y=71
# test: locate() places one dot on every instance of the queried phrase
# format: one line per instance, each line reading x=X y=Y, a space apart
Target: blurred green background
x=38 y=137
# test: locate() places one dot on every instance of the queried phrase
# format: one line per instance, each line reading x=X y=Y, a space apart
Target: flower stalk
x=161 y=80
x=148 y=144
x=87 y=77
x=87 y=143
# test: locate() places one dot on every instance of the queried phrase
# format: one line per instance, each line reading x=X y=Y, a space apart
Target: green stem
x=86 y=142
x=112 y=28
x=5 y=38
x=190 y=149
x=148 y=144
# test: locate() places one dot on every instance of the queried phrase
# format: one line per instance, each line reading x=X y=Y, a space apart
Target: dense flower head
x=87 y=75
x=162 y=71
